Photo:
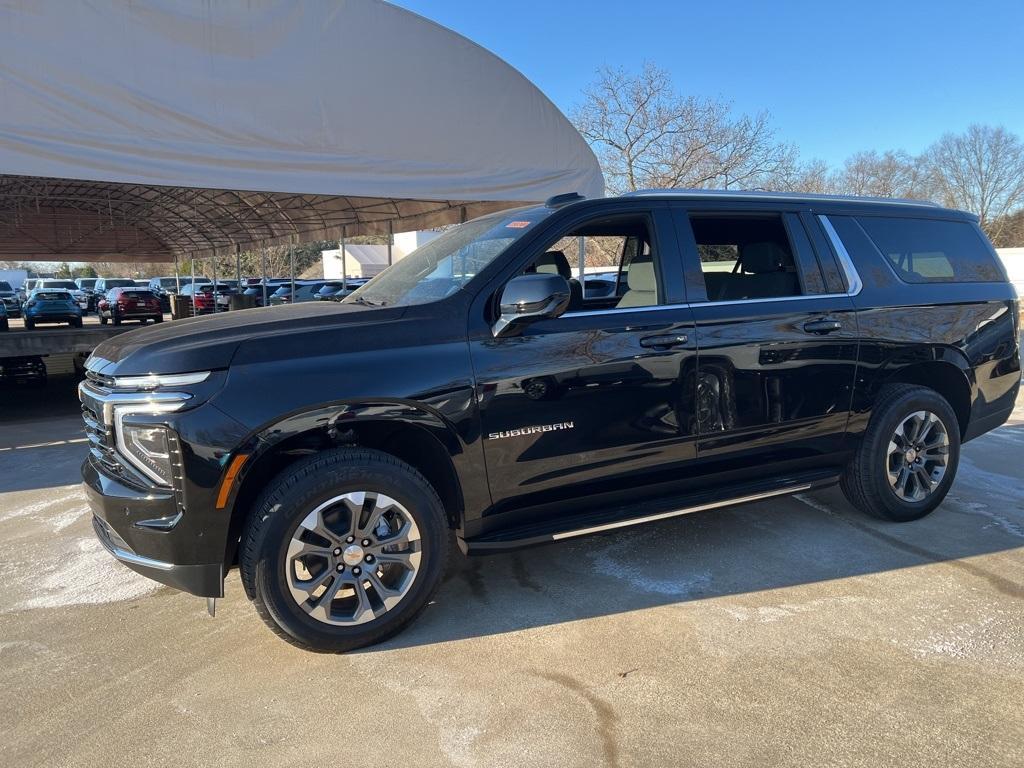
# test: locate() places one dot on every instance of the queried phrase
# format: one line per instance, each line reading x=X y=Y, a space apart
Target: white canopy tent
x=145 y=130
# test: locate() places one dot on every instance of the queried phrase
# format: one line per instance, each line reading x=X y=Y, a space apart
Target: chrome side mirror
x=529 y=298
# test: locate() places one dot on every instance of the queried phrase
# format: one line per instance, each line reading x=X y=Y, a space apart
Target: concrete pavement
x=791 y=632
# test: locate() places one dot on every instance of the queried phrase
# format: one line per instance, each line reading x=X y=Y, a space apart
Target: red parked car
x=129 y=304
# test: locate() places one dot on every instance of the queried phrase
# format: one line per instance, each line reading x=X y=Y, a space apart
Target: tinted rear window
x=137 y=294
x=932 y=251
x=4 y=286
x=52 y=296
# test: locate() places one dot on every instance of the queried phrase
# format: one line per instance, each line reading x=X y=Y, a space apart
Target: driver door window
x=618 y=265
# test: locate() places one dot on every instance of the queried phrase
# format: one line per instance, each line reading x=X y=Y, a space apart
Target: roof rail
x=763 y=195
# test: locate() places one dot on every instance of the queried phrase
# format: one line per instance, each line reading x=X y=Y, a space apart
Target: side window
x=932 y=250
x=749 y=257
x=618 y=263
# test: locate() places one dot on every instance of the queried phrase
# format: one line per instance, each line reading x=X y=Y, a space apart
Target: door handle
x=822 y=325
x=666 y=340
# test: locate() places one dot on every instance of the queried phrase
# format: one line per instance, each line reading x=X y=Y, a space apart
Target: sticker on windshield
x=517 y=225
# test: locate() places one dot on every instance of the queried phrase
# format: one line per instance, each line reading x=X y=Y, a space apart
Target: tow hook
x=211 y=606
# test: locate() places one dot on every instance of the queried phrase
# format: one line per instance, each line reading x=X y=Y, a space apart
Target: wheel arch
x=420 y=437
x=948 y=373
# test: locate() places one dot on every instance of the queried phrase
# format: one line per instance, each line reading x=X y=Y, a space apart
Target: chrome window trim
x=853 y=281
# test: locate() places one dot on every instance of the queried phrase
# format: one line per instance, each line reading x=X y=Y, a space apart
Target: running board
x=531 y=535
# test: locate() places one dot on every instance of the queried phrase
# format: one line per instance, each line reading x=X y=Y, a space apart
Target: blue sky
x=837 y=77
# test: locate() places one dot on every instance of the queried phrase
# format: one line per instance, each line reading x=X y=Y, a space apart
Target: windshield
x=87 y=282
x=115 y=283
x=445 y=264
x=5 y=287
x=70 y=285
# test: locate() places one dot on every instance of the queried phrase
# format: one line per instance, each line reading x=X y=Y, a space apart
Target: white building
x=1013 y=260
x=369 y=260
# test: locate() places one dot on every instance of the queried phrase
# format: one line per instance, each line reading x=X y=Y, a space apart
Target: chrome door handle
x=666 y=340
x=824 y=325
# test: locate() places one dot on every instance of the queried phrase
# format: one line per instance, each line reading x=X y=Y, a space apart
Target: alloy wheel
x=917 y=456
x=353 y=558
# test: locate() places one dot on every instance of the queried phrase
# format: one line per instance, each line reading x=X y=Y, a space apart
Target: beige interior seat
x=642 y=286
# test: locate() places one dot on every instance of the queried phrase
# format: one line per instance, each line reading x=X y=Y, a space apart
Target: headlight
x=149 y=449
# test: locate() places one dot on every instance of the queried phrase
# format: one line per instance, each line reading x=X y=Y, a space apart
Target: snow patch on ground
x=87 y=574
x=40 y=506
x=59 y=522
x=813 y=503
x=998 y=521
x=609 y=561
x=768 y=614
x=961 y=641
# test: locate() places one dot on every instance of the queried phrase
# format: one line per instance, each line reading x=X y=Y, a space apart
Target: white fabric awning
x=193 y=127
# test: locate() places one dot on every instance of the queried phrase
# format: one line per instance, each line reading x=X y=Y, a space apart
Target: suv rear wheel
x=908 y=458
x=344 y=549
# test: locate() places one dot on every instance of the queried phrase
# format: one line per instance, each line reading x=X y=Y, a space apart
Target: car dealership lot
x=792 y=631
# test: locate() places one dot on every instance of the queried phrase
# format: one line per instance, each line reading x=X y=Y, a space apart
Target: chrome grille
x=101 y=441
x=107 y=382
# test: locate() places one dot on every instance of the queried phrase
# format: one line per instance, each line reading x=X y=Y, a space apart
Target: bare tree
x=981 y=170
x=646 y=134
x=885 y=174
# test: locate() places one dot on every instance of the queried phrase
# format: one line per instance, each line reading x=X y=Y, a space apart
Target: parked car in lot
x=46 y=305
x=87 y=285
x=9 y=299
x=305 y=290
x=66 y=285
x=473 y=390
x=256 y=289
x=29 y=371
x=206 y=295
x=104 y=284
x=122 y=304
x=336 y=290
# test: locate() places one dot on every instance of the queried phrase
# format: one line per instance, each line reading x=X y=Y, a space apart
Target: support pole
x=391 y=240
x=291 y=272
x=192 y=298
x=344 y=263
x=581 y=247
x=263 y=259
x=177 y=277
x=238 y=268
x=215 y=285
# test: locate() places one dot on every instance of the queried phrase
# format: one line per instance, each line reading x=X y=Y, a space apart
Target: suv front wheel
x=908 y=457
x=344 y=549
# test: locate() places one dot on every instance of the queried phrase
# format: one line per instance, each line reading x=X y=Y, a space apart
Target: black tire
x=865 y=482
x=76 y=323
x=29 y=324
x=5 y=325
x=114 y=318
x=158 y=319
x=286 y=501
x=103 y=320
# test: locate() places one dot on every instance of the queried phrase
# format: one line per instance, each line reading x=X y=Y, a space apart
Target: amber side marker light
x=229 y=479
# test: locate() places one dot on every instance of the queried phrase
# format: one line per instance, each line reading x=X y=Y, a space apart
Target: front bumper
x=202 y=580
x=122 y=520
x=174 y=534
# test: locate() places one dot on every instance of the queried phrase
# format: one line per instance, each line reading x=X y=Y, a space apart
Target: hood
x=209 y=343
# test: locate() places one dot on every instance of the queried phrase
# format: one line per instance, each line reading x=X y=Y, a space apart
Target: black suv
x=756 y=345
